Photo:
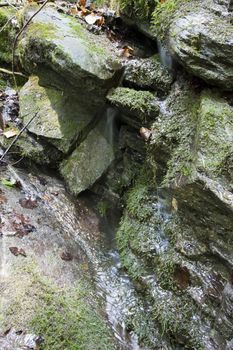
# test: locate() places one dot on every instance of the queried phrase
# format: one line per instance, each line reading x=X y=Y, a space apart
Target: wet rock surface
x=61 y=117
x=201 y=40
x=60 y=43
x=148 y=74
x=89 y=161
x=138 y=107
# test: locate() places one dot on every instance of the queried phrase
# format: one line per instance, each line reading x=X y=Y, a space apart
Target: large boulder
x=61 y=118
x=193 y=136
x=60 y=43
x=89 y=160
x=201 y=39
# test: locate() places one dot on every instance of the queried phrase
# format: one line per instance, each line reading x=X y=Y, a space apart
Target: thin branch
x=17 y=137
x=6 y=71
x=18 y=35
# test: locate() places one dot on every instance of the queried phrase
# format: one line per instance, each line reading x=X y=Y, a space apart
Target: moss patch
x=66 y=318
x=7 y=35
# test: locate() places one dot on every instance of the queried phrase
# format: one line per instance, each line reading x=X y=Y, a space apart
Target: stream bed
x=67 y=239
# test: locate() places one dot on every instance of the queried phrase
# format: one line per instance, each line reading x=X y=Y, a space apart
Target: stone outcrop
x=200 y=38
x=59 y=42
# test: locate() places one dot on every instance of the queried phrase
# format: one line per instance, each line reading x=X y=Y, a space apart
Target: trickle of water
x=3 y=270
x=110 y=127
x=165 y=56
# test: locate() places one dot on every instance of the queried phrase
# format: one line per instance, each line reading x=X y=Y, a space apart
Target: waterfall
x=110 y=130
x=165 y=56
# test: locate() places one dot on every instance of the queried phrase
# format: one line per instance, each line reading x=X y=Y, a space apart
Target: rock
x=89 y=161
x=139 y=106
x=59 y=42
x=61 y=116
x=29 y=148
x=193 y=135
x=202 y=41
x=215 y=140
x=7 y=34
x=148 y=74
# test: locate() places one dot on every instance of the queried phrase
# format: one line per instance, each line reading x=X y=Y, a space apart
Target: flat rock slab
x=61 y=117
x=139 y=107
x=60 y=42
x=89 y=161
x=148 y=73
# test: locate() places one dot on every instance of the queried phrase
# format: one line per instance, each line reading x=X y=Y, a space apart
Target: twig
x=4 y=4
x=17 y=137
x=6 y=71
x=17 y=37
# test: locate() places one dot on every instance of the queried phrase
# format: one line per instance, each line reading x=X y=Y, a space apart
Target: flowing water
x=94 y=237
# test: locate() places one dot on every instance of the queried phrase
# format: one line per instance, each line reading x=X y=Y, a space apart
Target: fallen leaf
x=17 y=251
x=92 y=19
x=82 y=3
x=174 y=204
x=66 y=256
x=11 y=133
x=28 y=203
x=181 y=276
x=126 y=51
x=145 y=133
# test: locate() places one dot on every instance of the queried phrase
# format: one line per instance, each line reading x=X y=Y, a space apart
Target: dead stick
x=17 y=137
x=18 y=35
x=6 y=71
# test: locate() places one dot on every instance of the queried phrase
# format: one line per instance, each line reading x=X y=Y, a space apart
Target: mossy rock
x=62 y=44
x=61 y=118
x=215 y=146
x=7 y=35
x=148 y=74
x=140 y=107
x=89 y=160
x=199 y=37
x=31 y=149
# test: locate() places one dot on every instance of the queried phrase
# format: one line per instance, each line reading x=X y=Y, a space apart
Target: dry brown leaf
x=17 y=251
x=11 y=133
x=126 y=51
x=100 y=22
x=82 y=3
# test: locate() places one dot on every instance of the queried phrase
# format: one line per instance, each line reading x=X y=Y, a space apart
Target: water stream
x=95 y=239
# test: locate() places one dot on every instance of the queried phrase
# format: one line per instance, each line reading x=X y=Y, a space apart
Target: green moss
x=45 y=30
x=163 y=15
x=7 y=35
x=137 y=8
x=66 y=318
x=103 y=207
x=141 y=104
x=80 y=32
